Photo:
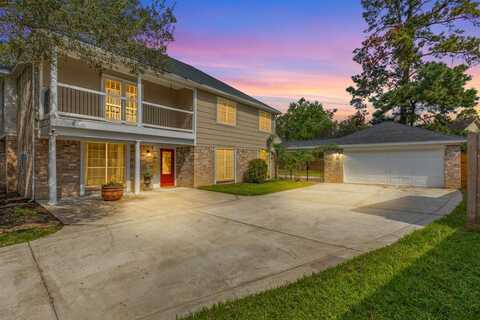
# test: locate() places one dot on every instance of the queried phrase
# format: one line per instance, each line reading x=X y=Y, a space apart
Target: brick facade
x=204 y=159
x=333 y=167
x=184 y=166
x=244 y=156
x=452 y=167
x=68 y=169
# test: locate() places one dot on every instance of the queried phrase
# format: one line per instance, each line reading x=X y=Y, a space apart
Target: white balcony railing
x=90 y=104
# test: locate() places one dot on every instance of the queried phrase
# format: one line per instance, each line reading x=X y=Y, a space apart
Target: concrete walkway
x=171 y=252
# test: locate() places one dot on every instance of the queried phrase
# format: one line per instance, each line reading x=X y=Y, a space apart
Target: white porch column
x=52 y=169
x=137 y=167
x=82 y=168
x=139 y=100
x=128 y=179
x=54 y=86
x=52 y=139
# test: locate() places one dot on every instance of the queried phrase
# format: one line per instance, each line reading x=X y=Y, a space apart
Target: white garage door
x=422 y=168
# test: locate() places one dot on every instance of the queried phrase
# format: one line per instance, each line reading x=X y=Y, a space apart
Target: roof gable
x=383 y=133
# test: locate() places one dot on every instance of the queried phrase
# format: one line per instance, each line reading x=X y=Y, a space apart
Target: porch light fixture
x=149 y=154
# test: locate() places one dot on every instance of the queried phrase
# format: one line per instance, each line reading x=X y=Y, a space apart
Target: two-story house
x=67 y=128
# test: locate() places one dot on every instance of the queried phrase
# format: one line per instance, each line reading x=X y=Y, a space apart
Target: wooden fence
x=473 y=181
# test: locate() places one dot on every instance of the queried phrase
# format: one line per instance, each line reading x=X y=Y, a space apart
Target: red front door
x=167 y=168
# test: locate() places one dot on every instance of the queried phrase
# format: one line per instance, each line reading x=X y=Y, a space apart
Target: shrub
x=257 y=171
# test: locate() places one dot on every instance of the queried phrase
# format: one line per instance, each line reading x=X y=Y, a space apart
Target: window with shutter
x=224 y=165
x=265 y=121
x=226 y=112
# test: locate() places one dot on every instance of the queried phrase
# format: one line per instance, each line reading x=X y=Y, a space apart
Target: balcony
x=79 y=102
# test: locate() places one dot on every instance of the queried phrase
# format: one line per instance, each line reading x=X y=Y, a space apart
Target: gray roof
x=383 y=133
x=189 y=72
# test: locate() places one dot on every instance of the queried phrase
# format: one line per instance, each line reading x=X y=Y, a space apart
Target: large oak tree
x=126 y=31
x=402 y=38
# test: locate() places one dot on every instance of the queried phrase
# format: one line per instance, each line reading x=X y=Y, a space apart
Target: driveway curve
x=174 y=251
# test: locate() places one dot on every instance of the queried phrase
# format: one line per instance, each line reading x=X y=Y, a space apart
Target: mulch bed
x=18 y=215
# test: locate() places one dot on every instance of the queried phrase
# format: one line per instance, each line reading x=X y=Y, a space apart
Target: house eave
x=386 y=145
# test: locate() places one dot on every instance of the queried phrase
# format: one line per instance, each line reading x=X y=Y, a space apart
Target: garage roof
x=382 y=134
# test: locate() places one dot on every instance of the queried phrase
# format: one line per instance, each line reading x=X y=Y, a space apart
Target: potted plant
x=147 y=179
x=112 y=191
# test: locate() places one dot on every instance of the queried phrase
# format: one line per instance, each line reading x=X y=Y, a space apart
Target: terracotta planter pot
x=112 y=193
x=147 y=183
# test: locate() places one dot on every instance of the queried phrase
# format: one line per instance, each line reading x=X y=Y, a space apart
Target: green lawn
x=433 y=273
x=254 y=189
x=15 y=237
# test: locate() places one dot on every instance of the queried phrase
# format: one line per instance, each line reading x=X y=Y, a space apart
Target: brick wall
x=204 y=158
x=452 y=167
x=68 y=169
x=333 y=166
x=184 y=166
x=244 y=156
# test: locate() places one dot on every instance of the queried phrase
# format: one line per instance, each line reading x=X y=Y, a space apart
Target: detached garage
x=392 y=154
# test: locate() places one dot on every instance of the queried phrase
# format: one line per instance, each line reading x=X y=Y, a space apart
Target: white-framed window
x=105 y=163
x=226 y=112
x=131 y=103
x=117 y=90
x=264 y=155
x=265 y=121
x=113 y=99
x=224 y=164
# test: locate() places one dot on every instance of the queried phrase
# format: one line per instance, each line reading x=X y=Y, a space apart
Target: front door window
x=167 y=170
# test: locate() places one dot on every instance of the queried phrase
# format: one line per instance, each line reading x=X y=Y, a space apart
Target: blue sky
x=277 y=51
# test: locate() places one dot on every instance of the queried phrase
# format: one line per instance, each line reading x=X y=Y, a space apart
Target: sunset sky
x=276 y=50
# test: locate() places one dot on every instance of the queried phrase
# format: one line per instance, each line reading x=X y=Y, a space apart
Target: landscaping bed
x=256 y=189
x=20 y=222
x=433 y=273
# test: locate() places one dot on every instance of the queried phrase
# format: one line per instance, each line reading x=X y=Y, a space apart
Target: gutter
x=392 y=144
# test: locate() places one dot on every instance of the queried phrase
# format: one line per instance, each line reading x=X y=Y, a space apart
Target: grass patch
x=254 y=189
x=15 y=237
x=433 y=273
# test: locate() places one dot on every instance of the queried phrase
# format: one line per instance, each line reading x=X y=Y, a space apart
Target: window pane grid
x=131 y=107
x=113 y=100
x=224 y=164
x=226 y=112
x=265 y=122
x=105 y=163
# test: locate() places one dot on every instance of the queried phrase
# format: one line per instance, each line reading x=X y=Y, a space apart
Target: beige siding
x=74 y=72
x=245 y=134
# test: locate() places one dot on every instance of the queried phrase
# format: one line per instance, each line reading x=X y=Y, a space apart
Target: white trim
x=139 y=100
x=128 y=181
x=260 y=119
x=215 y=162
x=395 y=144
x=165 y=107
x=195 y=113
x=167 y=128
x=69 y=86
x=82 y=168
x=235 y=117
x=137 y=167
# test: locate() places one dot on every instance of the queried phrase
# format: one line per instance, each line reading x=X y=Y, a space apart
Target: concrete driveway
x=175 y=251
